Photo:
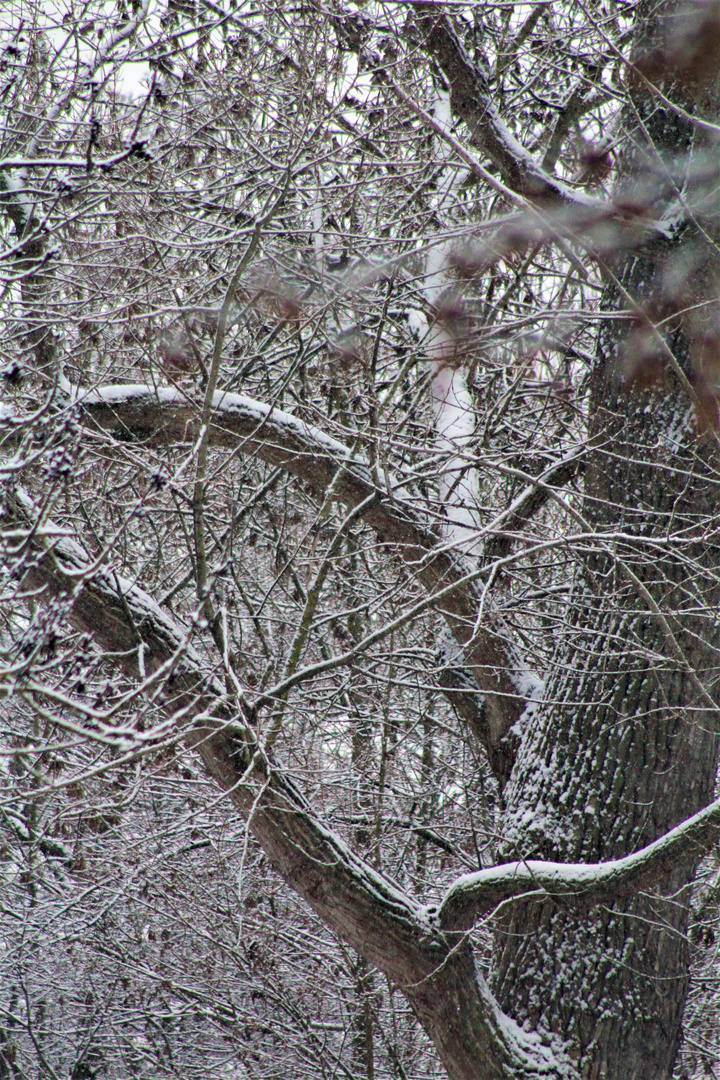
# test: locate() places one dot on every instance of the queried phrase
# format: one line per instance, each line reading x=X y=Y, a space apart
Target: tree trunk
x=625 y=745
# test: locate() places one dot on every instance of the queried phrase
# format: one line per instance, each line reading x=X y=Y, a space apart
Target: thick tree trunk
x=623 y=750
x=625 y=745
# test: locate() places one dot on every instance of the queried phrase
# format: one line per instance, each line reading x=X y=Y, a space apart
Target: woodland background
x=392 y=231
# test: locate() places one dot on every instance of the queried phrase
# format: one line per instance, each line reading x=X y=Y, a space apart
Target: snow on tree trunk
x=625 y=743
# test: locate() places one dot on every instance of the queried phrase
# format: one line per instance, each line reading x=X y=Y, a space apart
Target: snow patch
x=455 y=425
x=15 y=183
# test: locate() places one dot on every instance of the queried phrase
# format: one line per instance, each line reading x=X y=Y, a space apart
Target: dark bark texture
x=625 y=745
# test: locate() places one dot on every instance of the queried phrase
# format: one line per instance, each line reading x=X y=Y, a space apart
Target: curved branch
x=371 y=911
x=476 y=895
x=239 y=422
x=471 y=101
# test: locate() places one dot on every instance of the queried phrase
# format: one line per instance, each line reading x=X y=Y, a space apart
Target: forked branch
x=387 y=926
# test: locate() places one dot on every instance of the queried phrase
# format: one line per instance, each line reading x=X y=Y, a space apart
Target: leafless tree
x=359 y=683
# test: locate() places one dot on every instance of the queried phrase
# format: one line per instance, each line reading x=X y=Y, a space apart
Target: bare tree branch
x=368 y=910
x=476 y=895
x=388 y=927
x=531 y=500
x=471 y=101
x=135 y=412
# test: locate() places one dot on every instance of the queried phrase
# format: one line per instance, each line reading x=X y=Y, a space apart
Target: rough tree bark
x=423 y=949
x=625 y=745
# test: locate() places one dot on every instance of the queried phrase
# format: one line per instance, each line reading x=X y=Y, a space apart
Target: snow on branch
x=121 y=616
x=137 y=148
x=471 y=101
x=476 y=895
x=554 y=210
x=277 y=437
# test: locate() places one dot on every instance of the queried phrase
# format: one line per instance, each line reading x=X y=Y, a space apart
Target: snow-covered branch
x=472 y=102
x=121 y=616
x=137 y=148
x=277 y=437
x=476 y=895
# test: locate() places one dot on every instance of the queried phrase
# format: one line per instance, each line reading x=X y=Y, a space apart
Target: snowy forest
x=359 y=492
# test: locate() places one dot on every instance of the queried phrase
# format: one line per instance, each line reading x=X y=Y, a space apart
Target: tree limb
x=476 y=895
x=387 y=926
x=417 y=947
x=471 y=101
x=136 y=412
x=531 y=500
